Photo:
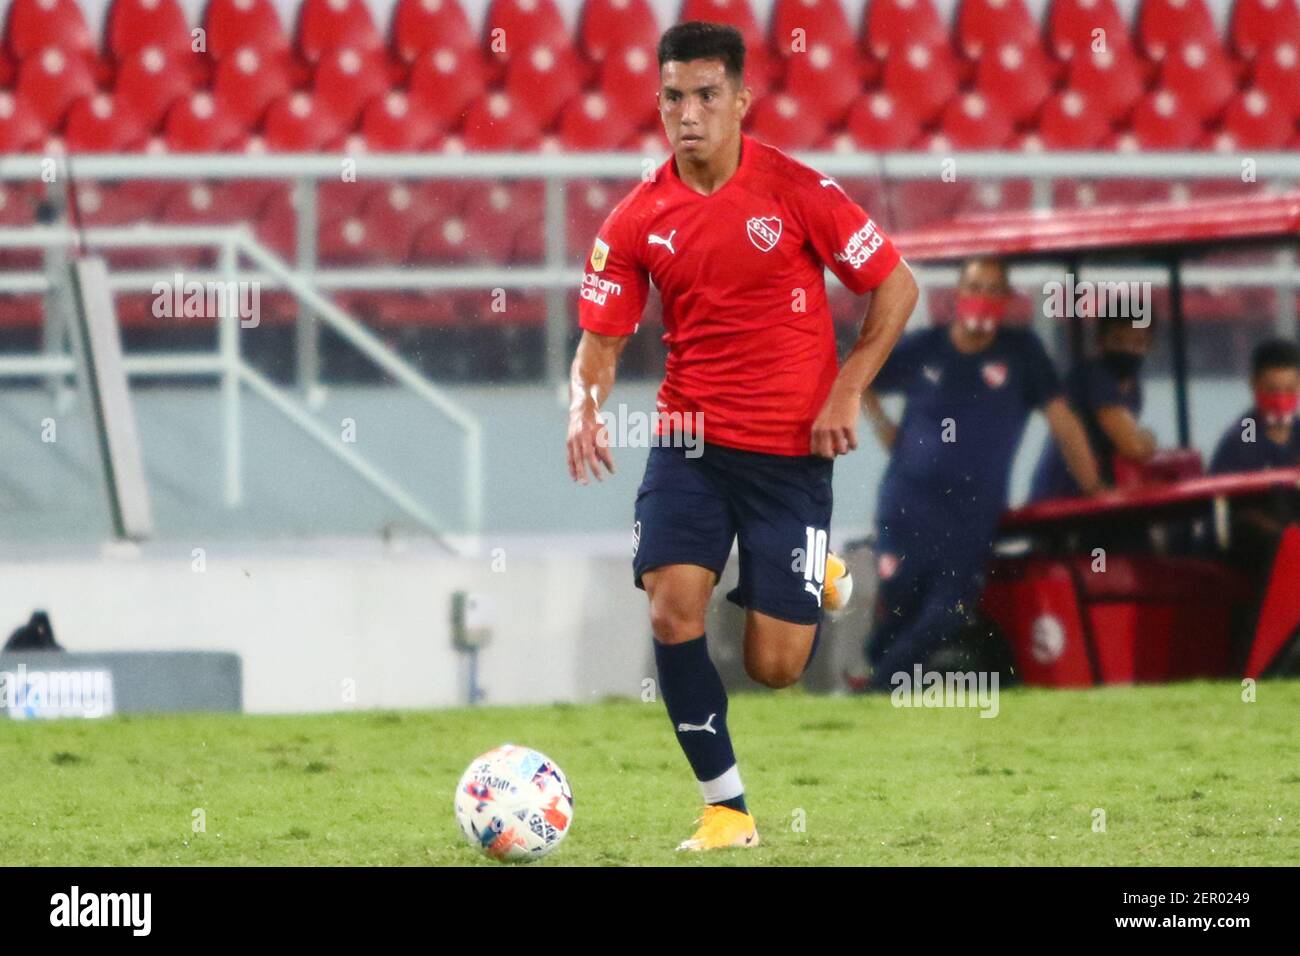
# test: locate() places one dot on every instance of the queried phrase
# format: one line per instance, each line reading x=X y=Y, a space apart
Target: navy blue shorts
x=690 y=510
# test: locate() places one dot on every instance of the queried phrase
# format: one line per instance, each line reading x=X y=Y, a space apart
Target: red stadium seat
x=496 y=122
x=51 y=80
x=1277 y=73
x=249 y=80
x=1259 y=25
x=736 y=13
x=822 y=21
x=398 y=123
x=347 y=78
x=442 y=241
x=103 y=123
x=325 y=25
x=923 y=78
x=893 y=25
x=588 y=203
x=762 y=71
x=542 y=80
x=516 y=26
x=151 y=80
x=105 y=204
x=420 y=25
x=34 y=25
x=1201 y=76
x=590 y=122
x=497 y=215
x=973 y=121
x=1071 y=25
x=609 y=26
x=447 y=81
x=985 y=24
x=232 y=24
x=276 y=225
x=1251 y=122
x=879 y=122
x=825 y=78
x=1112 y=79
x=629 y=81
x=1165 y=25
x=297 y=123
x=1017 y=78
x=20 y=125
x=786 y=122
x=134 y=24
x=200 y=123
x=1161 y=120
x=1071 y=120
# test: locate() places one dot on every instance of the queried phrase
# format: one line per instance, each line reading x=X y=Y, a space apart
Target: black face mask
x=1123 y=364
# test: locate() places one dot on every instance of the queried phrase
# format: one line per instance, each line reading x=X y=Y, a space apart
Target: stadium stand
x=337 y=52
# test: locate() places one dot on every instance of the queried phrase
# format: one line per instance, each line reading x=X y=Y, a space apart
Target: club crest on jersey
x=599 y=254
x=764 y=232
x=995 y=374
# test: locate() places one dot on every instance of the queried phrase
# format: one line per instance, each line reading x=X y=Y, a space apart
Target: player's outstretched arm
x=1072 y=439
x=591 y=379
x=834 y=431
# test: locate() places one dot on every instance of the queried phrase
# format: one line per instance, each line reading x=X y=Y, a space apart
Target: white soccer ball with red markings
x=513 y=803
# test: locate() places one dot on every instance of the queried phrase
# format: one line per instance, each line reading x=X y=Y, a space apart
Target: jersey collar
x=747 y=150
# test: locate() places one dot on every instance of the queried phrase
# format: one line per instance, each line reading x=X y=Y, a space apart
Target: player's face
x=700 y=107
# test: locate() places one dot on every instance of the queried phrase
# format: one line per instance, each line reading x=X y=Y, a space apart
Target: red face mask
x=979 y=312
x=1278 y=408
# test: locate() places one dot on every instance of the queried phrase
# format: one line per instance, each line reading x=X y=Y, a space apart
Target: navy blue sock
x=697 y=706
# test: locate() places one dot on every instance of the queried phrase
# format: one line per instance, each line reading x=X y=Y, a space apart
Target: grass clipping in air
x=1183 y=775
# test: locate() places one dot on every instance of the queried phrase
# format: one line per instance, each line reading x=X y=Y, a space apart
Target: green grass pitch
x=1185 y=775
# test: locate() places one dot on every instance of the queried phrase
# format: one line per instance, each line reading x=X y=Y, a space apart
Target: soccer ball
x=514 y=804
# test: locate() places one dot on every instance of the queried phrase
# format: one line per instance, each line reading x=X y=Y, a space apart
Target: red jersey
x=751 y=344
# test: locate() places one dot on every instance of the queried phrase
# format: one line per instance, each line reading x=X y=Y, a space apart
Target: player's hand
x=835 y=430
x=588 y=446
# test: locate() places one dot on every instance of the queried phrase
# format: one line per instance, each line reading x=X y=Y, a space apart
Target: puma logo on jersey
x=707 y=725
x=661 y=241
x=932 y=374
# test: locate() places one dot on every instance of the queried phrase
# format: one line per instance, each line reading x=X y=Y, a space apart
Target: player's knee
x=773 y=670
x=674 y=622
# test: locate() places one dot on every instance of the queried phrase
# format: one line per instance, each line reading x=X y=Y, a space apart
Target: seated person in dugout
x=1264 y=436
x=1106 y=393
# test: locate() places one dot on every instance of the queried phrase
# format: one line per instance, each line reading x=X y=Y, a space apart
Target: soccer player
x=1106 y=393
x=736 y=236
x=1265 y=436
x=969 y=389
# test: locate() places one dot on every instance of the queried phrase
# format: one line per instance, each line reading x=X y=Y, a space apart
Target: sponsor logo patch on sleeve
x=599 y=254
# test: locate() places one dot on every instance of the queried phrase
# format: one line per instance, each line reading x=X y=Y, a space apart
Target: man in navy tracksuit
x=969 y=389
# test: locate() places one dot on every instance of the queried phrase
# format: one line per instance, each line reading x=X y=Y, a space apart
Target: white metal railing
x=559 y=275
x=228 y=364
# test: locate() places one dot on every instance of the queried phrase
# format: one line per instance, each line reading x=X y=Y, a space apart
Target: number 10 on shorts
x=814 y=570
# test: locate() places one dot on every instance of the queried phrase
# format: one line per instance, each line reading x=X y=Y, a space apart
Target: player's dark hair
x=698 y=40
x=1275 y=353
